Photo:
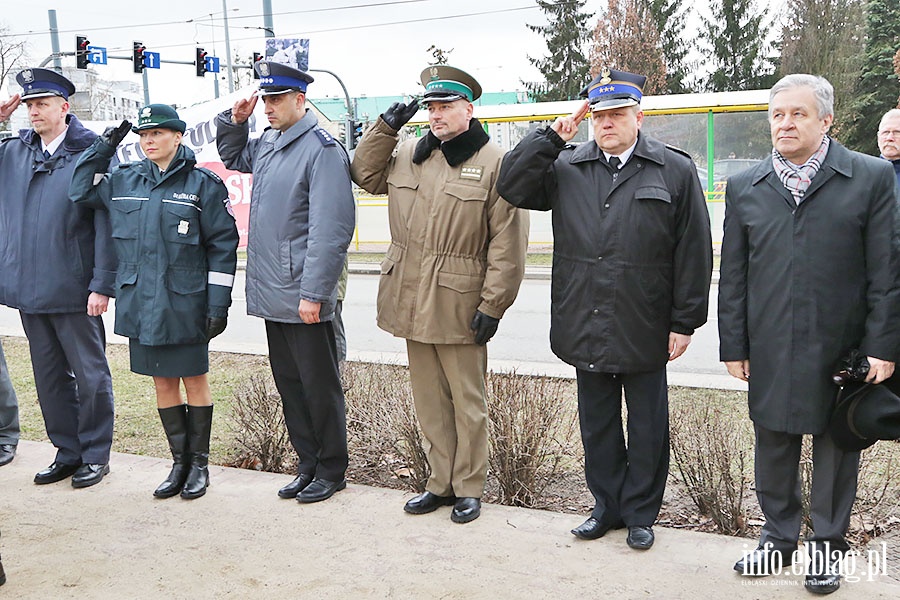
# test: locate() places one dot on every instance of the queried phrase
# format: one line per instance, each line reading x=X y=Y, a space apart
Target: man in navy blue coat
x=57 y=267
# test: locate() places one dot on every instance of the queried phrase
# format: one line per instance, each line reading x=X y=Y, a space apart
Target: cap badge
x=146 y=112
x=27 y=76
x=434 y=73
x=606 y=78
x=264 y=69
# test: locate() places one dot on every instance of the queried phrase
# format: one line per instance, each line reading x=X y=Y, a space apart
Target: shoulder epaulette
x=326 y=138
x=679 y=150
x=211 y=174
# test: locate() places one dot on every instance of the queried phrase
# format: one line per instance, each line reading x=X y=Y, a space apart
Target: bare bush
x=712 y=450
x=532 y=425
x=877 y=507
x=257 y=426
x=385 y=443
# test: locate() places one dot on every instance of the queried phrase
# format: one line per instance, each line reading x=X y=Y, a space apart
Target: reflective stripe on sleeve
x=223 y=279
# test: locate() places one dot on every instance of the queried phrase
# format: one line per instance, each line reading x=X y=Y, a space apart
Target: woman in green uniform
x=176 y=242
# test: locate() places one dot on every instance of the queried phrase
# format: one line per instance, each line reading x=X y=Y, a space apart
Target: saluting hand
x=7 y=108
x=567 y=127
x=243 y=108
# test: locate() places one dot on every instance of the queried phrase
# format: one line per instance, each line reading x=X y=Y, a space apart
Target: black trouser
x=627 y=482
x=831 y=497
x=305 y=368
x=74 y=386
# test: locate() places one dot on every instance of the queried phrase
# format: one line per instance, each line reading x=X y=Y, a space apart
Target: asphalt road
x=522 y=342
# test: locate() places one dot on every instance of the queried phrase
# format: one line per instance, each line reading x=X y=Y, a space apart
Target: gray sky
x=376 y=47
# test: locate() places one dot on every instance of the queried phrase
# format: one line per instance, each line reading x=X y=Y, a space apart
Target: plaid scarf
x=797 y=179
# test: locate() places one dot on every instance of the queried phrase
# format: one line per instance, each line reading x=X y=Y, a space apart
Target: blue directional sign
x=151 y=60
x=96 y=55
x=212 y=64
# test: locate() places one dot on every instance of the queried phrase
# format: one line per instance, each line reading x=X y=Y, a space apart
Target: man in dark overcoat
x=632 y=260
x=809 y=272
x=58 y=268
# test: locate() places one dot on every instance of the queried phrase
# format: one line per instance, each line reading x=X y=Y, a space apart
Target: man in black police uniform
x=632 y=263
x=58 y=268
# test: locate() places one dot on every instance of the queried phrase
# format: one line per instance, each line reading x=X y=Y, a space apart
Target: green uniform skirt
x=173 y=360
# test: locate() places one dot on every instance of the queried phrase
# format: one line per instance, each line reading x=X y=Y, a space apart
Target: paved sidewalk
x=115 y=540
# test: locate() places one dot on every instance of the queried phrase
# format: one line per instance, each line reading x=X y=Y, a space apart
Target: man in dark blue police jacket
x=57 y=266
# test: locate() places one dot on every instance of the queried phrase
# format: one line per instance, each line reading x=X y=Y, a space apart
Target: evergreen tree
x=835 y=56
x=670 y=22
x=565 y=70
x=626 y=39
x=735 y=35
x=877 y=87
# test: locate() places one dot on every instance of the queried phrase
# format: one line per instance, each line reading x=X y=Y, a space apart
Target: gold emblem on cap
x=606 y=78
x=434 y=73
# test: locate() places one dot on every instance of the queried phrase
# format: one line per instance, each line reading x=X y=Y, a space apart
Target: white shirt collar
x=56 y=143
x=622 y=157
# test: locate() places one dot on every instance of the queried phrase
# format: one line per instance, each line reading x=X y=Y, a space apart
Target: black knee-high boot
x=199 y=425
x=174 y=421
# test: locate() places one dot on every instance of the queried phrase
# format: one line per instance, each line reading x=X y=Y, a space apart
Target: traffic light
x=138 y=57
x=200 y=62
x=357 y=131
x=256 y=58
x=81 y=51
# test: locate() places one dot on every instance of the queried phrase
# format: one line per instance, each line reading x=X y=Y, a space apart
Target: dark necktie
x=46 y=155
x=614 y=163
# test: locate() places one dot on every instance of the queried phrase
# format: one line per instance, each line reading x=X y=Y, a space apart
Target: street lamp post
x=227 y=47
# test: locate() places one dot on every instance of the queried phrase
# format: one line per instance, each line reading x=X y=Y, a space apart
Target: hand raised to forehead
x=243 y=108
x=567 y=127
x=7 y=108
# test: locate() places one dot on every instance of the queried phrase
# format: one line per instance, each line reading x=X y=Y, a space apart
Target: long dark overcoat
x=801 y=285
x=631 y=260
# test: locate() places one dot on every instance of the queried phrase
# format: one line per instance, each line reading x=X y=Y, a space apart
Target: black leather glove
x=215 y=326
x=485 y=327
x=399 y=114
x=113 y=136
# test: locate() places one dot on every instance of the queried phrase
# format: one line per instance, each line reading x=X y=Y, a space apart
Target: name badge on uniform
x=473 y=172
x=183 y=227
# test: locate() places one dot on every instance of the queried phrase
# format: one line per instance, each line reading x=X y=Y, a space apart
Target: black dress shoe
x=825 y=583
x=427 y=502
x=593 y=529
x=640 y=537
x=88 y=475
x=320 y=489
x=763 y=562
x=465 y=510
x=7 y=453
x=296 y=486
x=55 y=472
